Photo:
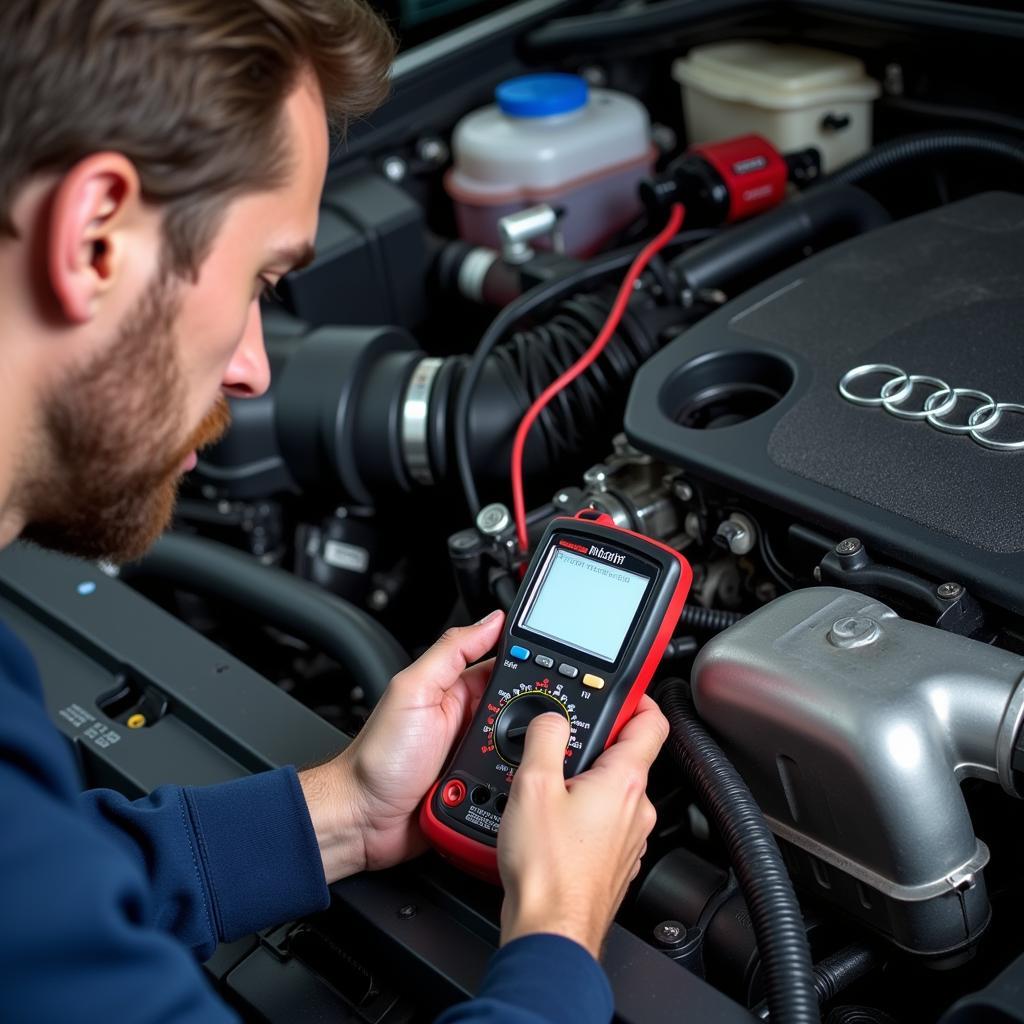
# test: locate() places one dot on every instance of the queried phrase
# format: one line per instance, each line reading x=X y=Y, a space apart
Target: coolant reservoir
x=552 y=139
x=794 y=96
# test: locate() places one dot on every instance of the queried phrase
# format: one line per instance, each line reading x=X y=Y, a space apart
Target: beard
x=114 y=441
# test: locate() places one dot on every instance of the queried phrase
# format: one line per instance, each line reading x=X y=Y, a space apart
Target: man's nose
x=248 y=373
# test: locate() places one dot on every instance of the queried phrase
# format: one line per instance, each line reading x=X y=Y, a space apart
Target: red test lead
x=644 y=257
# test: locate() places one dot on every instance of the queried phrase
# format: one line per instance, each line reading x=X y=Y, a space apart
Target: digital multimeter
x=583 y=638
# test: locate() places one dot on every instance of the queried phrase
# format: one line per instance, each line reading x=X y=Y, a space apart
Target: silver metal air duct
x=854 y=728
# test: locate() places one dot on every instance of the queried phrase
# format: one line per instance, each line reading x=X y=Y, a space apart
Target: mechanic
x=162 y=164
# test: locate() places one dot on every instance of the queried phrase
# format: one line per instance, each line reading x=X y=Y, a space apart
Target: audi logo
x=894 y=394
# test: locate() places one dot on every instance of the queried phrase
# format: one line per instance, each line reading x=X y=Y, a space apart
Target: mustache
x=213 y=427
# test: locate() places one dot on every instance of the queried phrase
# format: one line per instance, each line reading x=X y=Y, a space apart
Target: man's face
x=122 y=427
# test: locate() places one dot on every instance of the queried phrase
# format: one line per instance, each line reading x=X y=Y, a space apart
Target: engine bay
x=815 y=392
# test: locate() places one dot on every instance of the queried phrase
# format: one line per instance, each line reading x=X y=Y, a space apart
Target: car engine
x=815 y=392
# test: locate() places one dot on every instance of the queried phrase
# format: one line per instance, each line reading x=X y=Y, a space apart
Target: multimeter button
x=521 y=653
x=544 y=661
x=454 y=792
x=571 y=671
x=594 y=682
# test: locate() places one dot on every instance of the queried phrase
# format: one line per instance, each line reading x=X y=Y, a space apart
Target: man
x=162 y=162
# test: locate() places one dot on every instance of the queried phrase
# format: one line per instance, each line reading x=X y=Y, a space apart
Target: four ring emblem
x=938 y=405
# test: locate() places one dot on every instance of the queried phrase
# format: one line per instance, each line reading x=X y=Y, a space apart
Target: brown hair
x=191 y=91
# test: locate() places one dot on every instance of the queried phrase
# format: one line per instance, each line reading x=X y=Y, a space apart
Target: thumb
x=544 y=752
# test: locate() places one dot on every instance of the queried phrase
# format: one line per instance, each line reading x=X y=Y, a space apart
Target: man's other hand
x=568 y=849
x=364 y=802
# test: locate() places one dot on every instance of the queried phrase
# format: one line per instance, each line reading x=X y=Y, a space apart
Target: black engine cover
x=749 y=397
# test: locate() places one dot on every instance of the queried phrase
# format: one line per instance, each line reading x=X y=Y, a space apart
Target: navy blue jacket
x=109 y=904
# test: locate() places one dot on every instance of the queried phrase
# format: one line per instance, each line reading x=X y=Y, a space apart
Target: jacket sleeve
x=222 y=861
x=538 y=979
x=78 y=943
x=98 y=893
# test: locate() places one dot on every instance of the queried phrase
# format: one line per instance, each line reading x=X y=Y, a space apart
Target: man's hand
x=364 y=802
x=568 y=849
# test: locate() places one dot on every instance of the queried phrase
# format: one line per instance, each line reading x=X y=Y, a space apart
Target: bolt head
x=394 y=169
x=949 y=591
x=669 y=932
x=433 y=151
x=732 y=536
x=683 y=491
x=850 y=546
x=854 y=631
x=728 y=530
x=409 y=910
x=493 y=519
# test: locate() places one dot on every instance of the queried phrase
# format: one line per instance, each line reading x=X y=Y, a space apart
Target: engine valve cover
x=749 y=398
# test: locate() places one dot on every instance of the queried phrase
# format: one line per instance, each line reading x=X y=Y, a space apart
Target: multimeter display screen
x=585 y=604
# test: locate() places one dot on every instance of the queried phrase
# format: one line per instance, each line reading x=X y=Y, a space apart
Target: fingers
x=544 y=752
x=460 y=646
x=641 y=739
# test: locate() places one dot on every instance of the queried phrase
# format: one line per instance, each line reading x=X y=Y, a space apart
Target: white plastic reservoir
x=795 y=96
x=550 y=138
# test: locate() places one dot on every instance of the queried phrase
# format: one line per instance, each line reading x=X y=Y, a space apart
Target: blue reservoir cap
x=542 y=95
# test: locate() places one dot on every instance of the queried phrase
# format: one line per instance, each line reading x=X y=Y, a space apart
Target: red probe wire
x=638 y=266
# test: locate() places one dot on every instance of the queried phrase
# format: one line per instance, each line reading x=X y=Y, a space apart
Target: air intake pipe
x=854 y=729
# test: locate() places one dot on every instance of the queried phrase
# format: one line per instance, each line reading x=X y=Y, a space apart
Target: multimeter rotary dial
x=515 y=717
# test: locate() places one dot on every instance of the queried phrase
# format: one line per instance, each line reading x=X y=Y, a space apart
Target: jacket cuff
x=552 y=977
x=258 y=852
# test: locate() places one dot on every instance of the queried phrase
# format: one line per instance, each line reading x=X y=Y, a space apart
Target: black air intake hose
x=836 y=973
x=859 y=1015
x=333 y=626
x=363 y=414
x=708 y=620
x=839 y=971
x=757 y=247
x=910 y=149
x=775 y=914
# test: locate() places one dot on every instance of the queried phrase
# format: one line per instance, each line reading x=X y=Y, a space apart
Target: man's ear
x=93 y=208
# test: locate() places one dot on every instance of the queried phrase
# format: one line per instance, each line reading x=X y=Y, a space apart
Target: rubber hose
x=836 y=973
x=338 y=629
x=538 y=296
x=840 y=970
x=926 y=146
x=680 y=647
x=708 y=620
x=775 y=914
x=828 y=212
x=859 y=1015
